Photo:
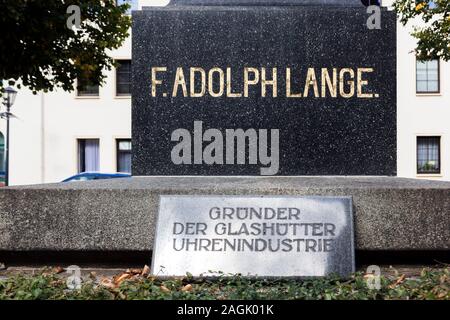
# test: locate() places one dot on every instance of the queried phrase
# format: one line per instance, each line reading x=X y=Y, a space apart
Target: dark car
x=85 y=176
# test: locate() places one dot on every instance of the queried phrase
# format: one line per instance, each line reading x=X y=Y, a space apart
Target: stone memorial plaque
x=277 y=88
x=279 y=236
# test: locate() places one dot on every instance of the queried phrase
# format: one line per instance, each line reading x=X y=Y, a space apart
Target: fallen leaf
x=58 y=270
x=56 y=282
x=107 y=283
x=135 y=271
x=145 y=271
x=399 y=280
x=121 y=278
x=187 y=288
x=164 y=289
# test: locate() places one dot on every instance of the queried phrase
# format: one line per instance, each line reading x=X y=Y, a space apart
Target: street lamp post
x=8 y=102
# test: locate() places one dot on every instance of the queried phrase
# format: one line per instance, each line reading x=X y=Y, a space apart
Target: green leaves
x=39 y=49
x=434 y=36
x=430 y=284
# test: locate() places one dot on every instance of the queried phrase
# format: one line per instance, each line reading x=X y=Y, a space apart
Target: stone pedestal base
x=119 y=214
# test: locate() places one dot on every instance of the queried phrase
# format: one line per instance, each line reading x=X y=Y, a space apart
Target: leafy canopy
x=39 y=49
x=434 y=37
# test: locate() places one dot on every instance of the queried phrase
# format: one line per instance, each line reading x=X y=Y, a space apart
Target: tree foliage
x=38 y=48
x=434 y=36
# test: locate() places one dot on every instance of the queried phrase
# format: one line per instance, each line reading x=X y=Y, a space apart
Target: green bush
x=431 y=284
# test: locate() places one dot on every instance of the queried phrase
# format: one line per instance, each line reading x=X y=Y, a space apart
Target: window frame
x=429 y=172
x=86 y=96
x=119 y=152
x=80 y=159
x=438 y=78
x=117 y=94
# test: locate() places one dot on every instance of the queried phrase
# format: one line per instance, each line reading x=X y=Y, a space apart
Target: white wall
x=43 y=146
x=420 y=114
x=44 y=138
x=25 y=140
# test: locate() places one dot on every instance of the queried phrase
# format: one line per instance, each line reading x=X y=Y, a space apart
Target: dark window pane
x=124 y=163
x=124 y=155
x=123 y=88
x=86 y=88
x=428 y=155
x=123 y=78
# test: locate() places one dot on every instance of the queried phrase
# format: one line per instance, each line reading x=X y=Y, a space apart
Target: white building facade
x=59 y=134
x=423 y=113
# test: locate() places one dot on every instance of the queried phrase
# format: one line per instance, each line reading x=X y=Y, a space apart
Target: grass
x=50 y=284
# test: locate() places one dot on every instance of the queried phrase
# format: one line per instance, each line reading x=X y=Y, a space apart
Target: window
x=123 y=78
x=124 y=155
x=370 y=2
x=427 y=76
x=85 y=88
x=133 y=4
x=88 y=155
x=428 y=155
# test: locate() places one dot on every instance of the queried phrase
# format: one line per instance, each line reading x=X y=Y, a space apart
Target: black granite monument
x=331 y=109
x=311 y=87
